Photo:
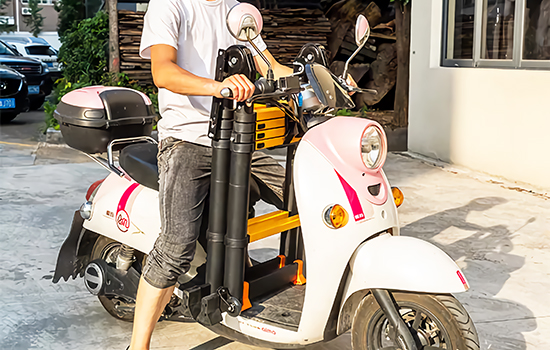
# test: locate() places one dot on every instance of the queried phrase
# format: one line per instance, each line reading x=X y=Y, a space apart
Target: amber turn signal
x=335 y=216
x=398 y=197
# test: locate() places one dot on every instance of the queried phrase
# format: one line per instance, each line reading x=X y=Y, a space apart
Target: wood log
x=343 y=15
x=357 y=70
x=381 y=76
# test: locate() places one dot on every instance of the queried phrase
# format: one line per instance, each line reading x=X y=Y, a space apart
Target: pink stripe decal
x=122 y=218
x=354 y=201
x=125 y=196
x=462 y=279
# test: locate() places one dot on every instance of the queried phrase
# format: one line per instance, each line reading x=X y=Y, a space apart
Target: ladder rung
x=271 y=224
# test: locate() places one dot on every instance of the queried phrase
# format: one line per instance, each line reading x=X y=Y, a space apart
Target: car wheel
x=7 y=117
x=37 y=103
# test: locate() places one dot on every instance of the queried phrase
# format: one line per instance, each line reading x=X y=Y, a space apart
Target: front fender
x=398 y=263
x=404 y=263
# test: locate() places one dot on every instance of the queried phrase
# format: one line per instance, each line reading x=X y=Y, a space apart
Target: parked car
x=37 y=74
x=23 y=39
x=44 y=53
x=13 y=94
x=37 y=49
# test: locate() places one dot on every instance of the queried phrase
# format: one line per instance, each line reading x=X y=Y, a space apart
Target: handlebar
x=263 y=86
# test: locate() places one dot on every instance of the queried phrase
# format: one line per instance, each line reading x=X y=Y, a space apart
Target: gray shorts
x=184 y=177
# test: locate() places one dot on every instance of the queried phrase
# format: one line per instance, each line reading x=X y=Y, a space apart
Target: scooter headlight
x=372 y=147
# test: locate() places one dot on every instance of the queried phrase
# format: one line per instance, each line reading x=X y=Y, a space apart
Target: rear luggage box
x=91 y=117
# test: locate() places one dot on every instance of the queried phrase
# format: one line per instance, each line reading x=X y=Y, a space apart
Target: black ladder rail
x=236 y=239
x=219 y=185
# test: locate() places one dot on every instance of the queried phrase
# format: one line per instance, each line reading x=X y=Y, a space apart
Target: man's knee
x=163 y=268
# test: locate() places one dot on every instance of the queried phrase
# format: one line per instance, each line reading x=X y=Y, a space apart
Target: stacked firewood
x=287 y=30
x=130 y=26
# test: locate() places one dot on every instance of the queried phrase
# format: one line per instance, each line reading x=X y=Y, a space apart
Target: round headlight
x=371 y=147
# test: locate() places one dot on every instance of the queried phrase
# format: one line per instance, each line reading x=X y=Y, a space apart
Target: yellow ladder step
x=271 y=224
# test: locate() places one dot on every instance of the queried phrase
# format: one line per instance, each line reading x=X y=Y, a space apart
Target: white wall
x=492 y=120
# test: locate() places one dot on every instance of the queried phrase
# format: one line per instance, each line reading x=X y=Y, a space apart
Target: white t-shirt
x=197 y=29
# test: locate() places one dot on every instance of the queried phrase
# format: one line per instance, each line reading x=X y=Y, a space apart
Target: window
x=40 y=50
x=41 y=2
x=496 y=33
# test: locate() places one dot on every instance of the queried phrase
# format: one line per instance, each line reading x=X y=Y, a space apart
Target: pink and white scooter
x=342 y=264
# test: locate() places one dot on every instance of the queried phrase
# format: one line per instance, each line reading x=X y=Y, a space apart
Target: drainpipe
x=16 y=17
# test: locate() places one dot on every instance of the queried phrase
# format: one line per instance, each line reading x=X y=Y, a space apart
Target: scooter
x=342 y=264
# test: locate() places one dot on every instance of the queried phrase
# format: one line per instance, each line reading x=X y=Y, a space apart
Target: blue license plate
x=7 y=103
x=34 y=89
x=50 y=64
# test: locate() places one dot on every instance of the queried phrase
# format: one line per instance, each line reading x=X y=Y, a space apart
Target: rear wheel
x=435 y=321
x=118 y=307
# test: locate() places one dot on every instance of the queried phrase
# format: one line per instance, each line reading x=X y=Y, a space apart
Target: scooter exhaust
x=101 y=278
x=94 y=279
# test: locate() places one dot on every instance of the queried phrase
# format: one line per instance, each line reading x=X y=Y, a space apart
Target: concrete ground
x=499 y=236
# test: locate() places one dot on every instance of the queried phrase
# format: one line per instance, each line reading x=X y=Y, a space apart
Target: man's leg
x=270 y=178
x=184 y=183
x=150 y=303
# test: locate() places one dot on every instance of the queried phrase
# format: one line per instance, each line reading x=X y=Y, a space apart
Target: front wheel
x=435 y=321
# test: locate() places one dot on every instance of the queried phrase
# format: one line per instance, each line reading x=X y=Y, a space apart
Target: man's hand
x=351 y=82
x=239 y=84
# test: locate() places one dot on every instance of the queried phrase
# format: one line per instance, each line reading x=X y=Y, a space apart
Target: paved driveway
x=500 y=237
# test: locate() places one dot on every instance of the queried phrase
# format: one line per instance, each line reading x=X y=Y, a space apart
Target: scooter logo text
x=123 y=221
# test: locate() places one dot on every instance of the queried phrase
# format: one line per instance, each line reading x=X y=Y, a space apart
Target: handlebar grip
x=262 y=86
x=226 y=92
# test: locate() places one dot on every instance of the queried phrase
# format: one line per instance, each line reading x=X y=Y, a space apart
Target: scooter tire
x=103 y=249
x=421 y=312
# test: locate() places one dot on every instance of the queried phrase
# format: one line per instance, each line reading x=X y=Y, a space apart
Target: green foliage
x=363 y=111
x=35 y=21
x=344 y=112
x=70 y=12
x=83 y=52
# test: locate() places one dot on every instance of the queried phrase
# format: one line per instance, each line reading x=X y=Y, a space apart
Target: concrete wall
x=492 y=120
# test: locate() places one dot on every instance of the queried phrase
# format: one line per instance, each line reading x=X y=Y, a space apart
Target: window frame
x=517 y=62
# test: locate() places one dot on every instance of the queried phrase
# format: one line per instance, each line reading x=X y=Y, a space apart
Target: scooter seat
x=140 y=162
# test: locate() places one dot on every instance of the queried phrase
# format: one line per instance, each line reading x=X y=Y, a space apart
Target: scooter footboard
x=403 y=263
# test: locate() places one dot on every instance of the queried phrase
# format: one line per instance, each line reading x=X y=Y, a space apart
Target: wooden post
x=403 y=44
x=114 y=55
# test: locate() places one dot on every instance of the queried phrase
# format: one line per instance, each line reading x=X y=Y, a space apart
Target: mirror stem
x=270 y=75
x=345 y=73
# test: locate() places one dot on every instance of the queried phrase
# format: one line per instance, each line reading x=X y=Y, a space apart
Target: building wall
x=48 y=11
x=492 y=120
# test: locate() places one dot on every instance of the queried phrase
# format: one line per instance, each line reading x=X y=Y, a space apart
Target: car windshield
x=6 y=50
x=40 y=50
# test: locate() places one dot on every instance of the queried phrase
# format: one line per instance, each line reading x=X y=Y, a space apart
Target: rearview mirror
x=362 y=33
x=362 y=30
x=244 y=22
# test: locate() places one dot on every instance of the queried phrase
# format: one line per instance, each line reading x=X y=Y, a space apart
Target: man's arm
x=167 y=74
x=278 y=69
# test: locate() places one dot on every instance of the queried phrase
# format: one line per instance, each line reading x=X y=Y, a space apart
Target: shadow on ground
x=486 y=260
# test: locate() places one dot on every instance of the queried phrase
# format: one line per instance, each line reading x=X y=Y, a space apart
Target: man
x=182 y=39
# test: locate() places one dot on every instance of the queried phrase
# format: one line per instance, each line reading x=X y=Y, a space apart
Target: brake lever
x=357 y=89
